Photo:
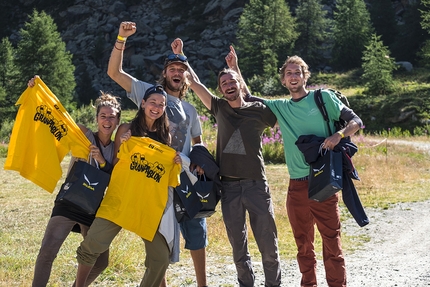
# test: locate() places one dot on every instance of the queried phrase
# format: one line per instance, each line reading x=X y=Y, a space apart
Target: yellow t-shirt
x=138 y=189
x=42 y=135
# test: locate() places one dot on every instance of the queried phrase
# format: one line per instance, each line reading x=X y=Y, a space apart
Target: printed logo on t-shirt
x=235 y=144
x=152 y=170
x=57 y=127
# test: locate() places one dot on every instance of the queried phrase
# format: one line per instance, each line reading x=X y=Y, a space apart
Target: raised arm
x=177 y=46
x=232 y=63
x=201 y=91
x=115 y=71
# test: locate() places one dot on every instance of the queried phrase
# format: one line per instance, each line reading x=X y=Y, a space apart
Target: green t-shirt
x=303 y=118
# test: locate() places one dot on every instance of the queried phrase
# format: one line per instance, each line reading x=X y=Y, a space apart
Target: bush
x=86 y=116
x=6 y=131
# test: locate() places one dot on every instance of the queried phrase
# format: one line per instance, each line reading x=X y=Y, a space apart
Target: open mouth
x=230 y=91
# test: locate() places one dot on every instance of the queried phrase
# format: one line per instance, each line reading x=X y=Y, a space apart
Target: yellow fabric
x=42 y=135
x=138 y=189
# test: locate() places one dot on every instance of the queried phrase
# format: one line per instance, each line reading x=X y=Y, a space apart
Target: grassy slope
x=389 y=173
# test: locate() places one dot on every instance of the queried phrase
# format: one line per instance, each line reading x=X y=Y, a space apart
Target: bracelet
x=121 y=38
x=102 y=165
x=341 y=134
x=121 y=49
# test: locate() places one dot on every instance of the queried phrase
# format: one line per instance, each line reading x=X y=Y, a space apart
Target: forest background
x=375 y=52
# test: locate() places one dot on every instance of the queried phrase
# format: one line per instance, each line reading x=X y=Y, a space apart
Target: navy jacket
x=200 y=156
x=309 y=146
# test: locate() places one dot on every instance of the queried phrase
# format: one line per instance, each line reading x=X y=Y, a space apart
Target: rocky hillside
x=90 y=27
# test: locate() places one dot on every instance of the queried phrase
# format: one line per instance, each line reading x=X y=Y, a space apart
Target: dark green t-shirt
x=239 y=148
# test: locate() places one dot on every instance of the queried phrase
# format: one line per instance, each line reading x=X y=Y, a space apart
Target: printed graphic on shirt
x=178 y=124
x=57 y=127
x=235 y=144
x=152 y=170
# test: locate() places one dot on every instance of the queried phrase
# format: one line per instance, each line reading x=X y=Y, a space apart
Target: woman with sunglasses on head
x=132 y=182
x=65 y=217
x=184 y=125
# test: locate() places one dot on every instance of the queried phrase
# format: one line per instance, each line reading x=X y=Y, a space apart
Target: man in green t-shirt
x=298 y=116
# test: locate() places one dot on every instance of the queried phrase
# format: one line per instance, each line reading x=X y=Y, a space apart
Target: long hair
x=139 y=127
x=183 y=90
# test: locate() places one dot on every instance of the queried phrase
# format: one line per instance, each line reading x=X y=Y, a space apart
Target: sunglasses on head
x=179 y=57
x=157 y=89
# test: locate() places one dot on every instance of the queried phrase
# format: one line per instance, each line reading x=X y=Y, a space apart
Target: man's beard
x=232 y=97
x=170 y=86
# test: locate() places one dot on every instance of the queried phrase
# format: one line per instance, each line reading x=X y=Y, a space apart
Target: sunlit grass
x=389 y=173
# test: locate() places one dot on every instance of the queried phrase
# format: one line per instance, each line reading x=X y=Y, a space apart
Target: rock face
x=89 y=29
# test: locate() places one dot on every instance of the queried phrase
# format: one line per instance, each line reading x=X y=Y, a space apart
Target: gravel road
x=397 y=254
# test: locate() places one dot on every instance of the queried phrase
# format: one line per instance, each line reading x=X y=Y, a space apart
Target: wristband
x=121 y=38
x=341 y=134
x=102 y=165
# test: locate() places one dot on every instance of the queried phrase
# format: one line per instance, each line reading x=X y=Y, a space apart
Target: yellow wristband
x=341 y=134
x=121 y=38
x=102 y=165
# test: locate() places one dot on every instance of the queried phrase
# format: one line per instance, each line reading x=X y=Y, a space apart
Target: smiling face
x=154 y=107
x=107 y=120
x=174 y=74
x=229 y=85
x=294 y=79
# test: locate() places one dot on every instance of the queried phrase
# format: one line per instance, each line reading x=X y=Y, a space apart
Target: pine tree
x=378 y=67
x=266 y=34
x=8 y=77
x=352 y=31
x=41 y=51
x=314 y=28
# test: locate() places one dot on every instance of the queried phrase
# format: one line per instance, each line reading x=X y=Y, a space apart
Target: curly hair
x=107 y=100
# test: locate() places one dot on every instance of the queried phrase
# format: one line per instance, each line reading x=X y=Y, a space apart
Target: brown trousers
x=303 y=213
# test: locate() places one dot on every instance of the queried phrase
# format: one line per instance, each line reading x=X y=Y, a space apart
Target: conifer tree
x=352 y=31
x=314 y=27
x=378 y=67
x=41 y=51
x=266 y=34
x=8 y=77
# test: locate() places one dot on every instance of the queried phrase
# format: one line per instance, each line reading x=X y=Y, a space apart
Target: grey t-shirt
x=239 y=148
x=184 y=123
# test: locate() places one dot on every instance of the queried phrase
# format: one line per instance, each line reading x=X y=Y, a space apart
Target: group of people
x=164 y=116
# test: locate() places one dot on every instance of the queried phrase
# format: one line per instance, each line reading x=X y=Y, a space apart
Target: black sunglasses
x=179 y=57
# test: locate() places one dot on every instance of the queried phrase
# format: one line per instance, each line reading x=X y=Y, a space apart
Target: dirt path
x=396 y=255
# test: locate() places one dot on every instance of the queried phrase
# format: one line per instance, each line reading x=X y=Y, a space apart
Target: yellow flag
x=42 y=135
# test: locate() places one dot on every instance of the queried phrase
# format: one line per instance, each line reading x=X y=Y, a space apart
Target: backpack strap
x=321 y=106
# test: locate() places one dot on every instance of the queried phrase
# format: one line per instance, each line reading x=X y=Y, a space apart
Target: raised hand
x=231 y=59
x=127 y=29
x=177 y=46
x=31 y=81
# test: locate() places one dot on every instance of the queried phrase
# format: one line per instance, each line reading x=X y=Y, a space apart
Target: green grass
x=389 y=174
